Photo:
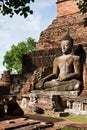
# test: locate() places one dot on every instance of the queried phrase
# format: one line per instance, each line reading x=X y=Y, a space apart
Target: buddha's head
x=67 y=44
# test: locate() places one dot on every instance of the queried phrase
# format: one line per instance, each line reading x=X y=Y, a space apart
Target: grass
x=72 y=118
x=66 y=128
x=75 y=118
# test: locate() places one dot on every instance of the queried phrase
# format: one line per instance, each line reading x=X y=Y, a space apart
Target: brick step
x=23 y=123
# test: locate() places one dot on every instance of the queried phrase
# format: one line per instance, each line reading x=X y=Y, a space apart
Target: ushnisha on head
x=67 y=44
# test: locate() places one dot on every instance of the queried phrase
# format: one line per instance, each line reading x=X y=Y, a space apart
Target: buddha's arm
x=77 y=71
x=49 y=77
x=40 y=84
x=54 y=74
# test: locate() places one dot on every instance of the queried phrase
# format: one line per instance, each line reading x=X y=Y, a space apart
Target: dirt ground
x=57 y=123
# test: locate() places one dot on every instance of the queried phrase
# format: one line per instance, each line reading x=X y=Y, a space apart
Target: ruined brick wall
x=17 y=82
x=67 y=19
x=39 y=58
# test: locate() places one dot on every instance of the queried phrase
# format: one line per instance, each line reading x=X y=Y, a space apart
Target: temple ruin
x=38 y=63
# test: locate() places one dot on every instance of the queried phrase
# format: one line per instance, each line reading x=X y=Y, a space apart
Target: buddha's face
x=66 y=47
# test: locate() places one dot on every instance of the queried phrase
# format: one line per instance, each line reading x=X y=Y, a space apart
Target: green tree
x=11 y=7
x=13 y=58
x=82 y=5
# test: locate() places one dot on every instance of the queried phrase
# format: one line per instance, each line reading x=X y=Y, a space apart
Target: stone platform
x=50 y=100
x=51 y=93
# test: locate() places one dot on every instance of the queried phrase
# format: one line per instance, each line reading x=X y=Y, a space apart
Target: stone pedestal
x=79 y=107
x=50 y=100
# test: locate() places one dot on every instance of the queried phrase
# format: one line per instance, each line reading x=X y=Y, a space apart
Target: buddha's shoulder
x=58 y=59
x=65 y=57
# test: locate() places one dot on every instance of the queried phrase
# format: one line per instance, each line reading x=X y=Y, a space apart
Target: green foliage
x=82 y=5
x=12 y=7
x=65 y=128
x=13 y=58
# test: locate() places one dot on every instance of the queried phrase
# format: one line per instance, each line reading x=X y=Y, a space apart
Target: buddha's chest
x=66 y=65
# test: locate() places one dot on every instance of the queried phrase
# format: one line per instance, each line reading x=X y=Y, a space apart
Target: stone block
x=63 y=93
x=23 y=124
x=63 y=114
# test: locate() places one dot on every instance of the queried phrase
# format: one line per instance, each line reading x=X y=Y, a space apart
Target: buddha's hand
x=63 y=78
x=40 y=84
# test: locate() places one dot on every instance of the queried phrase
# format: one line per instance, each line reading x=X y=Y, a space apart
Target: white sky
x=17 y=29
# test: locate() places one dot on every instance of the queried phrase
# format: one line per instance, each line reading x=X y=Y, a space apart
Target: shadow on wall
x=81 y=52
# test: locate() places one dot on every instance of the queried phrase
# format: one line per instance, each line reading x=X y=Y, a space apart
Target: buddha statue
x=66 y=70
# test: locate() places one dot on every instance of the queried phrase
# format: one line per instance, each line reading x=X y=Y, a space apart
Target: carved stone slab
x=51 y=93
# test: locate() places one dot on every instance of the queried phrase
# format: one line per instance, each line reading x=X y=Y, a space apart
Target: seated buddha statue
x=66 y=70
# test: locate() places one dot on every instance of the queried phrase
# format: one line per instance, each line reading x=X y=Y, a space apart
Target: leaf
x=11 y=7
x=25 y=15
x=13 y=58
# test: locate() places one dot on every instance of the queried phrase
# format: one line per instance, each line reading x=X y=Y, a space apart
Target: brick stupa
x=69 y=19
x=5 y=84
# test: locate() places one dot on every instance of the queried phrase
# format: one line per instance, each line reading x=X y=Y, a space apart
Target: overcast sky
x=17 y=29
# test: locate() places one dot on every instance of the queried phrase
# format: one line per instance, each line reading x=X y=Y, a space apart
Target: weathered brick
x=70 y=20
x=62 y=8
